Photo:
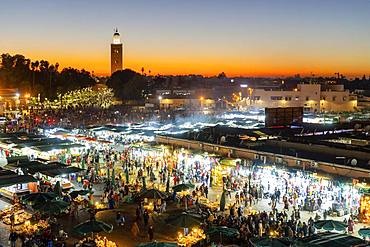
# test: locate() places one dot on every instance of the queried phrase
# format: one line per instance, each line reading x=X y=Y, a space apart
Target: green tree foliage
x=128 y=84
x=40 y=77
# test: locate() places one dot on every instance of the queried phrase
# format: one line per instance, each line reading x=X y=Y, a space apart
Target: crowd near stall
x=203 y=198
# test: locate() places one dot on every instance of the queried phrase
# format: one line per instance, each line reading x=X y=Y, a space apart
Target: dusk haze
x=241 y=37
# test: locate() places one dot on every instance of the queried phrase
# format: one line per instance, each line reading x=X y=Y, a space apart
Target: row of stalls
x=21 y=176
x=310 y=190
x=30 y=161
x=36 y=146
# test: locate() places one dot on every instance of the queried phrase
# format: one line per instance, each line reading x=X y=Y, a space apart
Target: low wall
x=290 y=161
x=320 y=148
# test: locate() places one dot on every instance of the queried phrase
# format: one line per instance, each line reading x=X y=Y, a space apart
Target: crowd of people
x=138 y=167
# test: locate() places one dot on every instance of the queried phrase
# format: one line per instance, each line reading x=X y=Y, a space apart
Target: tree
x=127 y=84
x=222 y=75
x=40 y=77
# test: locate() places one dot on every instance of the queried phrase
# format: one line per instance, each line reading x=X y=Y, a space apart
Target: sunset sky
x=239 y=37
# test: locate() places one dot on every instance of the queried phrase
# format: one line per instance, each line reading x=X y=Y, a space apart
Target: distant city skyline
x=240 y=37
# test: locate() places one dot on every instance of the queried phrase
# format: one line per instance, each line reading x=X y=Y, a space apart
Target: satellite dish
x=353 y=162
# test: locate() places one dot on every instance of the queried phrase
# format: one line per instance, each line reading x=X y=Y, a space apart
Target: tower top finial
x=116 y=37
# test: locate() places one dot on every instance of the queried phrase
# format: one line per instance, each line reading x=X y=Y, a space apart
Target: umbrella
x=76 y=193
x=364 y=232
x=183 y=220
x=157 y=244
x=330 y=225
x=223 y=230
x=182 y=187
x=223 y=201
x=52 y=207
x=273 y=242
x=40 y=197
x=152 y=194
x=58 y=189
x=92 y=226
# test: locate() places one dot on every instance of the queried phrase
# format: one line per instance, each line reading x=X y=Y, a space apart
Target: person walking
x=150 y=233
x=13 y=238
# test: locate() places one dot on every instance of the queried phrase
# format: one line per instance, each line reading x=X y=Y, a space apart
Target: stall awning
x=15 y=159
x=328 y=239
x=17 y=179
x=61 y=171
x=47 y=148
x=35 y=166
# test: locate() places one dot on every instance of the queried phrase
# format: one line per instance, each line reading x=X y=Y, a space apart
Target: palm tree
x=34 y=66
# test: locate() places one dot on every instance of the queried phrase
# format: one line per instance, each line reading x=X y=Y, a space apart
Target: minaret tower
x=116 y=53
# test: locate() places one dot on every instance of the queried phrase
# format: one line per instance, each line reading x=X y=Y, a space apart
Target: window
x=334 y=98
x=256 y=97
x=307 y=98
x=296 y=97
x=276 y=97
x=288 y=98
x=323 y=98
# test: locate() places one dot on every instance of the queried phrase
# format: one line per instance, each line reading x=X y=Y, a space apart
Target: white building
x=312 y=97
x=199 y=104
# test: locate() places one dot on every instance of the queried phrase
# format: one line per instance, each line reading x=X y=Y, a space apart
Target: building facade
x=198 y=104
x=116 y=53
x=313 y=98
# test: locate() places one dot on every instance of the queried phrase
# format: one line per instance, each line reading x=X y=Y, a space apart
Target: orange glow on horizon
x=206 y=65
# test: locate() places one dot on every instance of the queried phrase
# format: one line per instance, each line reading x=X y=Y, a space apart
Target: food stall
x=96 y=241
x=195 y=236
x=14 y=215
x=58 y=173
x=31 y=228
x=13 y=185
x=364 y=214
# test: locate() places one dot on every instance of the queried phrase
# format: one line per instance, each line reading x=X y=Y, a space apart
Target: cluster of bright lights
x=85 y=97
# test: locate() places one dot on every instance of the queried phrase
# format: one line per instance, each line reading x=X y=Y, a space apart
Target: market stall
x=14 y=215
x=195 y=236
x=13 y=185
